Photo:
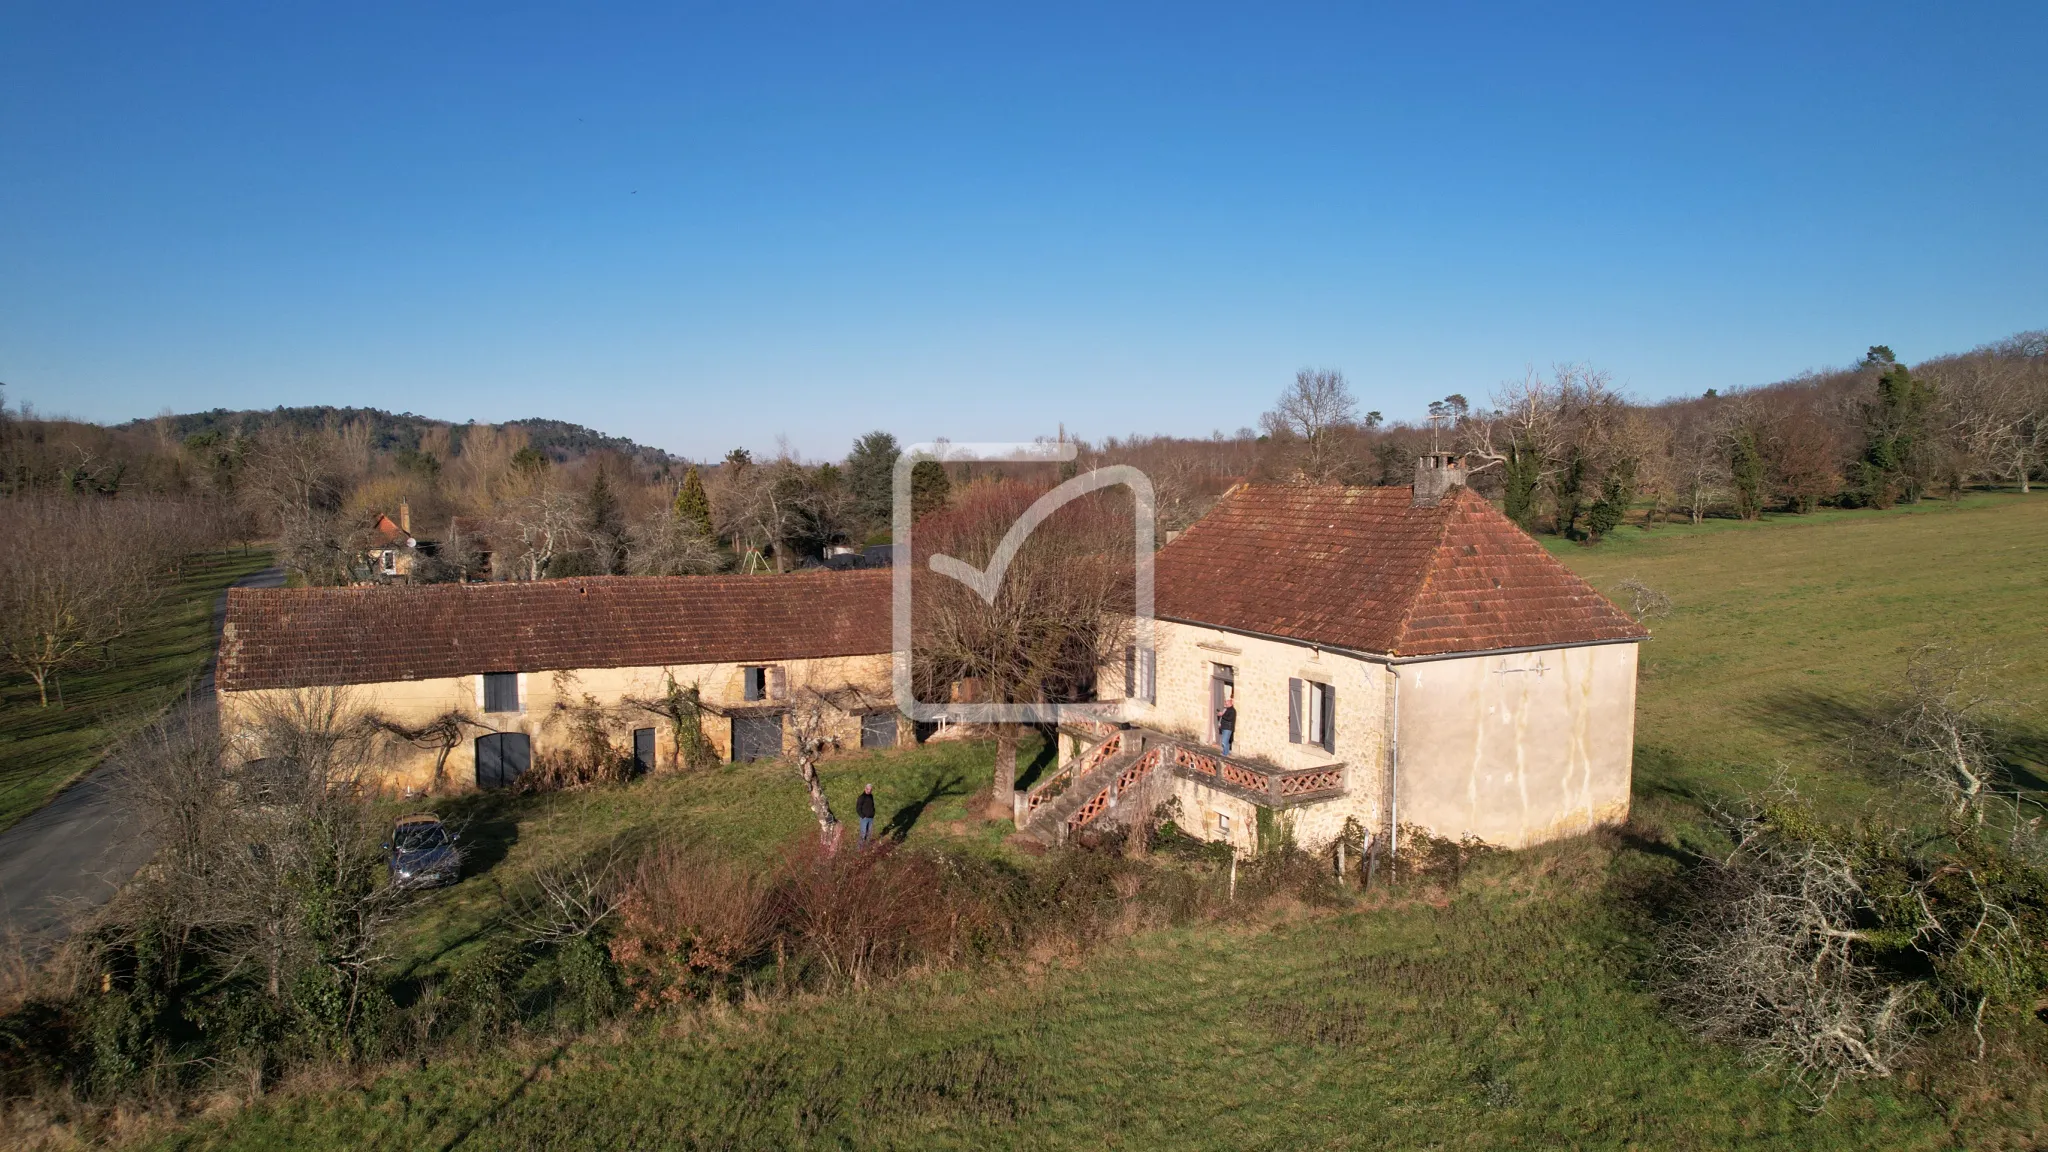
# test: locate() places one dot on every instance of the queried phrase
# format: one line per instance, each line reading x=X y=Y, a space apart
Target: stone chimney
x=1436 y=473
x=405 y=518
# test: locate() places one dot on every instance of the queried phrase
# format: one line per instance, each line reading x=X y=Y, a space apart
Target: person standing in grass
x=865 y=809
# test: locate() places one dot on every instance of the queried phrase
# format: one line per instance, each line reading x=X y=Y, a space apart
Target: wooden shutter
x=1329 y=717
x=778 y=683
x=1130 y=671
x=752 y=689
x=1294 y=711
x=1151 y=675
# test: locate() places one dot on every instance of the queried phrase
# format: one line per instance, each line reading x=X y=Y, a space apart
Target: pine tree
x=929 y=488
x=1523 y=473
x=692 y=506
x=1894 y=464
x=605 y=527
x=1746 y=469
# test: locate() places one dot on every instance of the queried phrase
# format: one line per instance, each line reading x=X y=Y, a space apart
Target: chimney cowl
x=1436 y=473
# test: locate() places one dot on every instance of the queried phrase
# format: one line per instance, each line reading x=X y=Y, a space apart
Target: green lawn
x=1785 y=633
x=43 y=749
x=1512 y=1014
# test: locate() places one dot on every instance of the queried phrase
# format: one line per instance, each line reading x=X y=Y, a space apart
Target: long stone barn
x=1392 y=657
x=494 y=676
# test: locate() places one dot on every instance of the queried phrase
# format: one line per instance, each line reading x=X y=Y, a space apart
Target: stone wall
x=546 y=700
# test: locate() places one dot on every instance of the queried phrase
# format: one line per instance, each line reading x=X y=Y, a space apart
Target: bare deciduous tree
x=1315 y=410
x=1767 y=962
x=1061 y=614
x=1940 y=732
x=665 y=544
x=75 y=575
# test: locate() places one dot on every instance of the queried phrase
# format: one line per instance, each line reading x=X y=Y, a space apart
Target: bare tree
x=268 y=859
x=812 y=716
x=1940 y=733
x=546 y=519
x=666 y=544
x=299 y=481
x=1315 y=410
x=1061 y=613
x=1767 y=961
x=74 y=577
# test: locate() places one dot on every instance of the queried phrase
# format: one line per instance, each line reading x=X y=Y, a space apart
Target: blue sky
x=707 y=227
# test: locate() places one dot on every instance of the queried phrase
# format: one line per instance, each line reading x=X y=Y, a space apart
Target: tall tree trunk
x=1001 y=805
x=828 y=824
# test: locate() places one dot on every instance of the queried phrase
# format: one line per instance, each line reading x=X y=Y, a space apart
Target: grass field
x=43 y=749
x=1510 y=1014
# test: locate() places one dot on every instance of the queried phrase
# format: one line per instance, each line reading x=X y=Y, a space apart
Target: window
x=1141 y=671
x=501 y=691
x=765 y=682
x=390 y=562
x=643 y=751
x=1312 y=714
x=1222 y=824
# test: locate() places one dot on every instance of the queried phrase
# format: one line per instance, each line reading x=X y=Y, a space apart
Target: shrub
x=689 y=921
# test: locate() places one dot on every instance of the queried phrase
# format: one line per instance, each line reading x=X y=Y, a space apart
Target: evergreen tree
x=871 y=477
x=929 y=488
x=692 y=506
x=1895 y=462
x=1617 y=492
x=1523 y=473
x=1570 y=485
x=605 y=527
x=1746 y=470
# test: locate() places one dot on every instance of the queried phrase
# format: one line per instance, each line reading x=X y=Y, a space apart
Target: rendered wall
x=1518 y=749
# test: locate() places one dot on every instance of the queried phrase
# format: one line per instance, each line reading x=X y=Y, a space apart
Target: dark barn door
x=756 y=737
x=501 y=757
x=643 y=751
x=878 y=730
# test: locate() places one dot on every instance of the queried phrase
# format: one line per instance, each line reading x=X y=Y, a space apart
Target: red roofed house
x=1395 y=657
x=513 y=662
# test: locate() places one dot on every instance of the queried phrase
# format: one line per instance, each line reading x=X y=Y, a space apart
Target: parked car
x=423 y=852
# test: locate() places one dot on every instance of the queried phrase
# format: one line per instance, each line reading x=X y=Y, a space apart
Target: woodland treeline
x=1566 y=452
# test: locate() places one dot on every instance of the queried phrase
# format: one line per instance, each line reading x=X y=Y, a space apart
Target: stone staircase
x=1124 y=774
x=1102 y=779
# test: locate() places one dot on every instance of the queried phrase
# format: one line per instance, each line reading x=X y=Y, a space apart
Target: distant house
x=512 y=661
x=1394 y=656
x=391 y=549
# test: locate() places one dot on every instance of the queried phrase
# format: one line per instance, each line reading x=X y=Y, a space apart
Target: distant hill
x=401 y=431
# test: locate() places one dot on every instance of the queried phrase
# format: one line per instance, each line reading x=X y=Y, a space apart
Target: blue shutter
x=1329 y=717
x=1294 y=711
x=1151 y=676
x=1130 y=671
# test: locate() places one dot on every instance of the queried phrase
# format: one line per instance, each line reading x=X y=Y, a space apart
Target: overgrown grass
x=43 y=749
x=1512 y=1013
x=747 y=811
x=1786 y=633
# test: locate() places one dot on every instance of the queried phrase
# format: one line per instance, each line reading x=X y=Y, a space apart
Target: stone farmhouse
x=1392 y=658
x=1395 y=657
x=507 y=669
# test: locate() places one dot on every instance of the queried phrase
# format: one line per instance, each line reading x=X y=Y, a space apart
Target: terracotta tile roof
x=1361 y=568
x=297 y=637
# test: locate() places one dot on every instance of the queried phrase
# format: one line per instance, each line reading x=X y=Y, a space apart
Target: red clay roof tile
x=298 y=637
x=1363 y=569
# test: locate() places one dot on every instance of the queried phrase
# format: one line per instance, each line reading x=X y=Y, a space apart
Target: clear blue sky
x=704 y=227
